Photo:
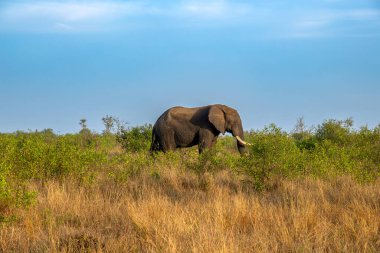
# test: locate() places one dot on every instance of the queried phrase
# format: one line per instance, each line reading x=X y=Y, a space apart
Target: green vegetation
x=332 y=149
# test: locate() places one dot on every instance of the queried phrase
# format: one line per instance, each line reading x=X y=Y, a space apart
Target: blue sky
x=274 y=61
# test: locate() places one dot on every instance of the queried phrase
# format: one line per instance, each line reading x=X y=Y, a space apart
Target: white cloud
x=56 y=16
x=214 y=9
x=274 y=20
x=325 y=22
x=62 y=26
x=68 y=11
x=360 y=14
x=64 y=16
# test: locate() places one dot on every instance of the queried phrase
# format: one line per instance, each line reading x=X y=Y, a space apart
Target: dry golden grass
x=183 y=212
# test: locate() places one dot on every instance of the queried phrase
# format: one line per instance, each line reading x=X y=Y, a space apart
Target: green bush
x=37 y=156
x=335 y=130
x=331 y=149
x=134 y=139
x=334 y=148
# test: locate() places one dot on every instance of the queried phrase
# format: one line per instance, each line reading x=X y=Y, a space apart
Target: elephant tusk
x=242 y=142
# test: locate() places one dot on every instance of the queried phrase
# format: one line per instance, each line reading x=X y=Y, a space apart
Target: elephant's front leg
x=207 y=139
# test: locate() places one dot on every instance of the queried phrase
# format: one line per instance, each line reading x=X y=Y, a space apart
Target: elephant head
x=226 y=119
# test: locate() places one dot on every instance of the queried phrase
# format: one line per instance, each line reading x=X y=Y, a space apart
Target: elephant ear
x=217 y=118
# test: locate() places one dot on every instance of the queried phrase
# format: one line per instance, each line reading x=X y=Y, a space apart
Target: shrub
x=13 y=193
x=333 y=148
x=134 y=139
x=334 y=130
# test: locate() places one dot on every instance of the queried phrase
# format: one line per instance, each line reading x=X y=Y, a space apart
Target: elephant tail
x=154 y=145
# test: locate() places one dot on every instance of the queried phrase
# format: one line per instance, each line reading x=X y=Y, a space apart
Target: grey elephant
x=180 y=127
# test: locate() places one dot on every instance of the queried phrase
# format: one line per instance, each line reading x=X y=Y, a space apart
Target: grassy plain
x=306 y=191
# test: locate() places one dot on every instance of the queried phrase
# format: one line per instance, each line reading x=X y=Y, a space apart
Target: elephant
x=181 y=127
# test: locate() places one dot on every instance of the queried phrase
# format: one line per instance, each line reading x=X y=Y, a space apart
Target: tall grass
x=182 y=211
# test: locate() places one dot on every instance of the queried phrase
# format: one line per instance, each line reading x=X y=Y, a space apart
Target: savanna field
x=309 y=190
